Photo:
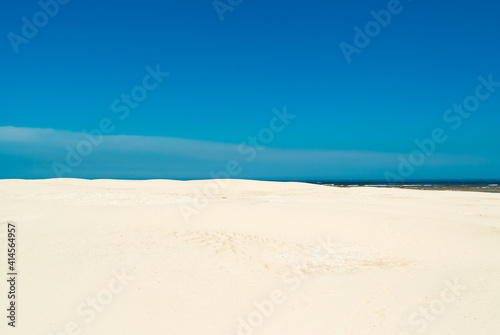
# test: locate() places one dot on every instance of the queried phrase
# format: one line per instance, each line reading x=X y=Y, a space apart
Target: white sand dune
x=118 y=257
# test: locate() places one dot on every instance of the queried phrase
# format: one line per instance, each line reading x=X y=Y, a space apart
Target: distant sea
x=443 y=185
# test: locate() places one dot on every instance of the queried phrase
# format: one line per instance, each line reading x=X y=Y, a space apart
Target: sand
x=120 y=257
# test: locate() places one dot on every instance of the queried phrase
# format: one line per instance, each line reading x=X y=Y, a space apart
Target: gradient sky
x=353 y=121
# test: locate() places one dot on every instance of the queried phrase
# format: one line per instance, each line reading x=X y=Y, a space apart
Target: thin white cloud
x=52 y=138
x=181 y=158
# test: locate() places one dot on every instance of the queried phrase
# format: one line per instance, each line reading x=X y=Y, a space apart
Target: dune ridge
x=117 y=257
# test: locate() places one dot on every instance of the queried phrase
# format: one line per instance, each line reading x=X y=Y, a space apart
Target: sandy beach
x=122 y=257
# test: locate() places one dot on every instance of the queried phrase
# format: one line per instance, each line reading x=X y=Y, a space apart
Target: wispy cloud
x=33 y=150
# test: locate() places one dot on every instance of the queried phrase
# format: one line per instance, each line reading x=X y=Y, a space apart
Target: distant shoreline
x=437 y=186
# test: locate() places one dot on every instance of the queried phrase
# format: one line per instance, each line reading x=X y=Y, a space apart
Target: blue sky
x=356 y=120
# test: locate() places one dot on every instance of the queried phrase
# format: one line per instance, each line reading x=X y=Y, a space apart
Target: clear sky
x=234 y=69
